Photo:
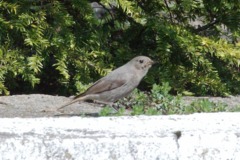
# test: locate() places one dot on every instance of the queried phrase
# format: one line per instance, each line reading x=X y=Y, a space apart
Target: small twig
x=202 y=28
x=108 y=10
x=170 y=14
x=4 y=103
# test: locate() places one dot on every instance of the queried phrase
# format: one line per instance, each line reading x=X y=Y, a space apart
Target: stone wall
x=177 y=137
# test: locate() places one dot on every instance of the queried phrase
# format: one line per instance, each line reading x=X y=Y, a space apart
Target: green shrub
x=204 y=105
x=161 y=102
x=56 y=46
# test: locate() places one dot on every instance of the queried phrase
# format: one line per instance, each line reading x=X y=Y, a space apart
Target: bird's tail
x=71 y=102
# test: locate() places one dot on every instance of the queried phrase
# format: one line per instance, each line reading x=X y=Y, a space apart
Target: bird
x=117 y=84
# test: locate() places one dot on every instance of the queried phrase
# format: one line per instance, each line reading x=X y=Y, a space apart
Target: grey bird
x=117 y=84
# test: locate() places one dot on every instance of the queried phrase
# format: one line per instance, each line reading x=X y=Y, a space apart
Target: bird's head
x=142 y=63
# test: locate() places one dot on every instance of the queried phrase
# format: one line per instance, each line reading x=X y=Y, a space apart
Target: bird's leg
x=111 y=104
x=114 y=108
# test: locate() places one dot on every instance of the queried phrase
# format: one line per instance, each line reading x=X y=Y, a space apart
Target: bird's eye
x=141 y=61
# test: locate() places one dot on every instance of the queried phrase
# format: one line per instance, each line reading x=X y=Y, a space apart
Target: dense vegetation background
x=59 y=46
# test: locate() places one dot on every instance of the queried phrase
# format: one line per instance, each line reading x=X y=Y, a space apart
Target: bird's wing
x=103 y=85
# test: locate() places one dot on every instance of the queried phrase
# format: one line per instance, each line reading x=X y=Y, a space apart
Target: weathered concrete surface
x=197 y=136
x=34 y=105
x=39 y=105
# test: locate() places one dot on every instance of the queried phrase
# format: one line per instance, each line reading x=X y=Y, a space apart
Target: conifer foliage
x=54 y=47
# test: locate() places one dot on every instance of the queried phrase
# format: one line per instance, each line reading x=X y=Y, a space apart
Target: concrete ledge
x=197 y=136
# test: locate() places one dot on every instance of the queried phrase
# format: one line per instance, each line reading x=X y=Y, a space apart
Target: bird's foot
x=111 y=104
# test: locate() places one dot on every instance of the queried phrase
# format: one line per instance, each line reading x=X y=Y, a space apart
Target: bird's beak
x=152 y=62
